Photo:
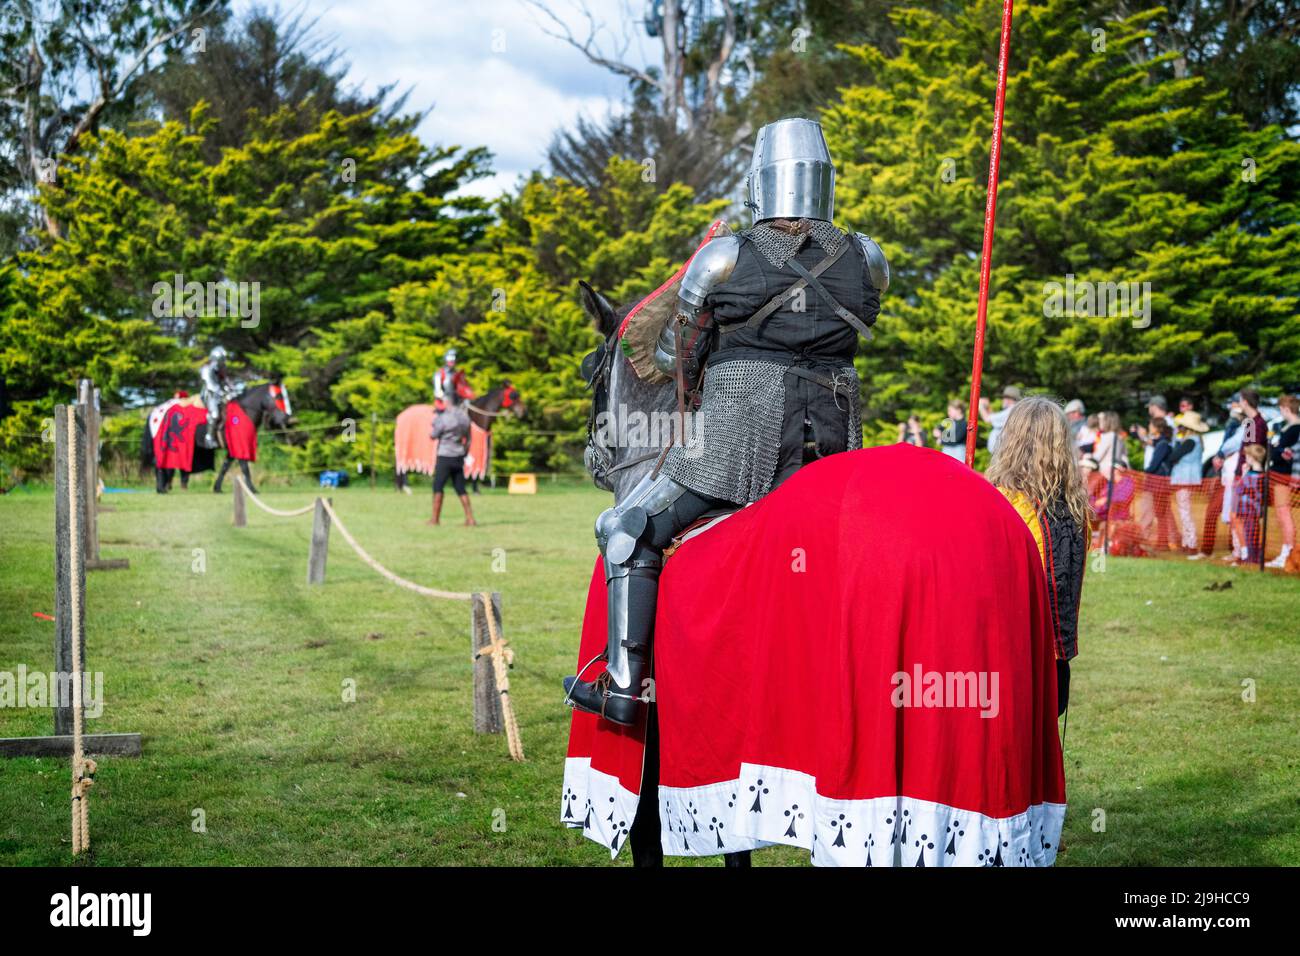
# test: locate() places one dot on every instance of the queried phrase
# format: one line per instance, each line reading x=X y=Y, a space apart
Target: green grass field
x=235 y=675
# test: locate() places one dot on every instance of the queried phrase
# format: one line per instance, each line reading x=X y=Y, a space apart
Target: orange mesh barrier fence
x=1247 y=519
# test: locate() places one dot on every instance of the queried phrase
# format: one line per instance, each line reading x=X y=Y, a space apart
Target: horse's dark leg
x=221 y=475
x=185 y=480
x=647 y=844
x=160 y=480
x=248 y=478
x=645 y=835
x=399 y=479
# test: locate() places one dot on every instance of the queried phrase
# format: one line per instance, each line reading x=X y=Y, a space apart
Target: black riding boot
x=620 y=703
x=633 y=593
x=632 y=537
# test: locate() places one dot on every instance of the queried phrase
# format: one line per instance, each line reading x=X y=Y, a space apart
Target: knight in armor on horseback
x=218 y=388
x=766 y=327
x=449 y=381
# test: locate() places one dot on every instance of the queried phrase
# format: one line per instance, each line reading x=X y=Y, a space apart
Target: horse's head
x=502 y=400
x=510 y=400
x=618 y=453
x=270 y=399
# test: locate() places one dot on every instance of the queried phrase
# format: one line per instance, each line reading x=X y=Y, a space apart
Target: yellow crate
x=523 y=484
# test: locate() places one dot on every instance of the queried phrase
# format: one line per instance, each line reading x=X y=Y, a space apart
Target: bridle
x=280 y=395
x=509 y=396
x=596 y=368
x=597 y=371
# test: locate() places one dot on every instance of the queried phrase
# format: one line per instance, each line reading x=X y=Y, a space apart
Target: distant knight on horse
x=414 y=447
x=218 y=389
x=183 y=434
x=449 y=381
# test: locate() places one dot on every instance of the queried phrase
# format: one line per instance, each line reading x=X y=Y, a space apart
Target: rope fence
x=239 y=480
x=278 y=435
x=493 y=709
x=383 y=571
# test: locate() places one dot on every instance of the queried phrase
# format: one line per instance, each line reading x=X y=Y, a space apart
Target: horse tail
x=146 y=447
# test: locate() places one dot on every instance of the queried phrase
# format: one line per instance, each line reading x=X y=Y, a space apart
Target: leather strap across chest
x=807 y=277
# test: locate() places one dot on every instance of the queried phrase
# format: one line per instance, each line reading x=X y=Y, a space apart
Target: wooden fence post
x=241 y=512
x=320 y=543
x=66 y=576
x=88 y=400
x=66 y=442
x=89 y=468
x=100 y=507
x=488 y=718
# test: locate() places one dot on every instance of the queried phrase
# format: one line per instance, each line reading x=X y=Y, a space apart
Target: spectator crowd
x=1251 y=477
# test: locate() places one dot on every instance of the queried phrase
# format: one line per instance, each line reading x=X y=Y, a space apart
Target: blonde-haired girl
x=1035 y=466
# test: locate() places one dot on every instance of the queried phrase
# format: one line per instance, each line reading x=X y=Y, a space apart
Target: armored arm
x=878 y=270
x=686 y=331
x=208 y=377
x=877 y=264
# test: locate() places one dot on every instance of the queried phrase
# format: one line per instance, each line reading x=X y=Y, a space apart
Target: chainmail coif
x=779 y=246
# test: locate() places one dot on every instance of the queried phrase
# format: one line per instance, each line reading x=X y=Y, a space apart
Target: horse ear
x=598 y=307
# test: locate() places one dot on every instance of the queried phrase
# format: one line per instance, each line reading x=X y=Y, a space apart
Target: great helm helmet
x=791 y=176
x=218 y=355
x=450 y=357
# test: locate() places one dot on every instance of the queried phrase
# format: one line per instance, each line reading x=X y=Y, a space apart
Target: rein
x=483 y=411
x=638 y=460
x=506 y=404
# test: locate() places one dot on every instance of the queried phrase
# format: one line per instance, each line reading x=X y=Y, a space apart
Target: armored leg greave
x=632 y=536
x=213 y=404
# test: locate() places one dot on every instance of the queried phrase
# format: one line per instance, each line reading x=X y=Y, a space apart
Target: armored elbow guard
x=666 y=348
x=683 y=341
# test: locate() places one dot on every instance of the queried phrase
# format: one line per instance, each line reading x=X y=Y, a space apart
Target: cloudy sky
x=491 y=75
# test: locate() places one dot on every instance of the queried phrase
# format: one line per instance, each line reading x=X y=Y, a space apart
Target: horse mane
x=249 y=390
x=635 y=395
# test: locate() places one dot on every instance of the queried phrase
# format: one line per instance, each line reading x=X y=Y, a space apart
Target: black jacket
x=1065 y=546
x=1289 y=437
x=815 y=330
x=1160 y=461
